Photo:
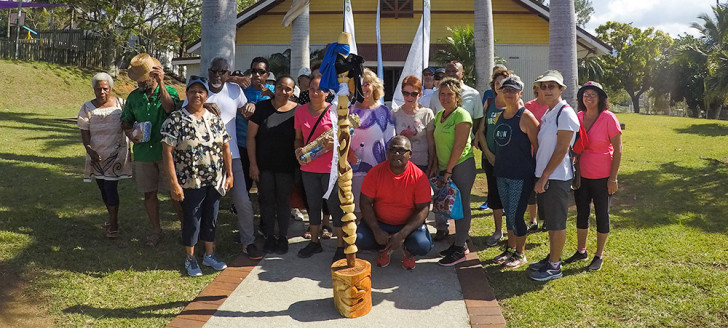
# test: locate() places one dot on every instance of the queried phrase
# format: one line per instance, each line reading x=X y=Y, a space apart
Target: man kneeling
x=395 y=201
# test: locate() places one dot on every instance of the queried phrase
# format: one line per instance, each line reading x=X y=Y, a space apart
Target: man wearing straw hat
x=145 y=109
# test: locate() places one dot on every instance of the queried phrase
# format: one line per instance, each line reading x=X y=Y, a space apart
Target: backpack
x=582 y=139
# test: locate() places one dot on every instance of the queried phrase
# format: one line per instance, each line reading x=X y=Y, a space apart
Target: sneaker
x=533 y=227
x=193 y=270
x=233 y=209
x=237 y=239
x=408 y=260
x=505 y=256
x=484 y=206
x=577 y=257
x=338 y=255
x=214 y=262
x=451 y=249
x=310 y=249
x=543 y=227
x=515 y=261
x=282 y=246
x=383 y=258
x=535 y=266
x=494 y=239
x=253 y=252
x=455 y=257
x=546 y=273
x=441 y=235
x=270 y=245
x=596 y=263
x=296 y=214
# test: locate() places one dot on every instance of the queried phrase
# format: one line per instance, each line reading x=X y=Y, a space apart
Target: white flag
x=349 y=25
x=419 y=55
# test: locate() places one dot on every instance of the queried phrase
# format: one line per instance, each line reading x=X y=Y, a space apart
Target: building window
x=396 y=8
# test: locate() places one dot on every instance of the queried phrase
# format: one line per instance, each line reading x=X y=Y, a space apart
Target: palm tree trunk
x=562 y=45
x=300 y=47
x=218 y=32
x=484 y=48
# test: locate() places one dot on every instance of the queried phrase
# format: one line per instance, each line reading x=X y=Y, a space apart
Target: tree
x=590 y=69
x=218 y=31
x=715 y=53
x=186 y=25
x=683 y=72
x=638 y=53
x=562 y=45
x=460 y=46
x=300 y=37
x=583 y=8
x=244 y=4
x=484 y=47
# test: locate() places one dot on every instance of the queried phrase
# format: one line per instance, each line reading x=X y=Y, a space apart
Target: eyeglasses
x=509 y=90
x=438 y=77
x=550 y=86
x=398 y=150
x=410 y=94
x=217 y=72
x=258 y=71
x=590 y=95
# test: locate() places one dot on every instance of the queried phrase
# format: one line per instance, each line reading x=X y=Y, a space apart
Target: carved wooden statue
x=351 y=276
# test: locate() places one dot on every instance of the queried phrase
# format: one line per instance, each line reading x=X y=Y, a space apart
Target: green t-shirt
x=491 y=116
x=445 y=136
x=140 y=108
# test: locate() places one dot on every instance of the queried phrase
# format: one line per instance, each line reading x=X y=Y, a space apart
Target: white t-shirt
x=471 y=102
x=229 y=99
x=568 y=121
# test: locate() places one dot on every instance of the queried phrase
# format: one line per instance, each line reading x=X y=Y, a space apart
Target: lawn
x=665 y=263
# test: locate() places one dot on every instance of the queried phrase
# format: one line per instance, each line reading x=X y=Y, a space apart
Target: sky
x=671 y=16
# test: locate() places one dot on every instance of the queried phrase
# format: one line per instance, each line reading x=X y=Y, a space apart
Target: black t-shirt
x=274 y=141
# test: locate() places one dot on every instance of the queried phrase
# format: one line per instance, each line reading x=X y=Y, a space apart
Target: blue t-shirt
x=241 y=124
x=488 y=94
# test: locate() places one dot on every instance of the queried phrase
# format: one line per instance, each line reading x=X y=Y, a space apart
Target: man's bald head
x=455 y=70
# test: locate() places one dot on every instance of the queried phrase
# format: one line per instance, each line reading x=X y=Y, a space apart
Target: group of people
x=234 y=130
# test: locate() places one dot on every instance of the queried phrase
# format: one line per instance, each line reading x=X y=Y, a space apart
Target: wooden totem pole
x=351 y=276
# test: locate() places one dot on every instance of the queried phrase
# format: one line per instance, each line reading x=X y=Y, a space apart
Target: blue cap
x=198 y=79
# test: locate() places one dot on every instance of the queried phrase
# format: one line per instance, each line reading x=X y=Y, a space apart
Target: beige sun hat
x=140 y=66
x=551 y=75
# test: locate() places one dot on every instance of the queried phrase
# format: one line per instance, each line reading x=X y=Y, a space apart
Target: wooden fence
x=59 y=47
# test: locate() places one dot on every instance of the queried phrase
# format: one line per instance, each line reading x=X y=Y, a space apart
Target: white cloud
x=671 y=16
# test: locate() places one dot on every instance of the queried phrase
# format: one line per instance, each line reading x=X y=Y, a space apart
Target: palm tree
x=300 y=47
x=218 y=32
x=484 y=48
x=590 y=69
x=562 y=44
x=713 y=33
x=460 y=46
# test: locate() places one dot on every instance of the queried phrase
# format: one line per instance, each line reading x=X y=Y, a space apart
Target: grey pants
x=315 y=185
x=239 y=194
x=463 y=175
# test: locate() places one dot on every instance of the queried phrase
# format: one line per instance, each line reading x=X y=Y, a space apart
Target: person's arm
x=462 y=132
x=419 y=214
x=297 y=144
x=227 y=159
x=168 y=104
x=175 y=190
x=254 y=172
x=479 y=140
x=86 y=140
x=612 y=183
x=563 y=141
x=366 y=204
x=529 y=125
x=431 y=155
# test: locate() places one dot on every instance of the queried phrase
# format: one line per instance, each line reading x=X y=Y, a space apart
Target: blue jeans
x=200 y=208
x=419 y=242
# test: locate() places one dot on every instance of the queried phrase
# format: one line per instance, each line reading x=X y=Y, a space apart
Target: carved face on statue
x=354 y=295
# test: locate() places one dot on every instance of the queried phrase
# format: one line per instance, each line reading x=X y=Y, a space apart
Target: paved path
x=286 y=291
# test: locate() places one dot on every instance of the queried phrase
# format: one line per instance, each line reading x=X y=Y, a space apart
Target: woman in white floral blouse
x=198 y=160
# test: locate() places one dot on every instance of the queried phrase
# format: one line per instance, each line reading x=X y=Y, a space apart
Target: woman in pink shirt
x=598 y=166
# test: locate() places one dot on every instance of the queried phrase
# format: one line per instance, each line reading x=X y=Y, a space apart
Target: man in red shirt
x=395 y=201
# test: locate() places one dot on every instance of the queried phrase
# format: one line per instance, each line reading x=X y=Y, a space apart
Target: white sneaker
x=296 y=214
x=214 y=262
x=193 y=270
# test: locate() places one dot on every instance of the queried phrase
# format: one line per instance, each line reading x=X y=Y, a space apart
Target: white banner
x=418 y=56
x=349 y=25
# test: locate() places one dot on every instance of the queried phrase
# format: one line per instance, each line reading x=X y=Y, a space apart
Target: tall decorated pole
x=351 y=276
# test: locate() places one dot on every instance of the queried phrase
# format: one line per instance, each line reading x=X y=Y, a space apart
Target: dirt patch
x=17 y=308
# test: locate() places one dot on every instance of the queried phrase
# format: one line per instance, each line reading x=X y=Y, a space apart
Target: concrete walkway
x=287 y=291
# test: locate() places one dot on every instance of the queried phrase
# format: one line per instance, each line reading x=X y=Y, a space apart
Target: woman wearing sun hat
x=199 y=163
x=598 y=166
x=554 y=171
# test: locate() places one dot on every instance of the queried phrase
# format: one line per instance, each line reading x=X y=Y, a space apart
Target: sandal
x=112 y=234
x=326 y=232
x=154 y=238
x=307 y=234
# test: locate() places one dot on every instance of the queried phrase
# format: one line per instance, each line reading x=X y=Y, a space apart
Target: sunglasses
x=410 y=94
x=258 y=71
x=509 y=90
x=438 y=77
x=398 y=150
x=544 y=86
x=217 y=72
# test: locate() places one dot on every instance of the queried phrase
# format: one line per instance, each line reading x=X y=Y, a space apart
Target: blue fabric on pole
x=328 y=67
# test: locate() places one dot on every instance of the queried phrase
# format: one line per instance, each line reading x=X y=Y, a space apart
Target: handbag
x=446 y=199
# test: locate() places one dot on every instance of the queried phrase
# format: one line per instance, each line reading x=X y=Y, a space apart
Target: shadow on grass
x=135 y=312
x=706 y=130
x=57 y=133
x=673 y=194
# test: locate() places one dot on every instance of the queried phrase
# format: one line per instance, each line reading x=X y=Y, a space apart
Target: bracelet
x=448 y=172
x=610 y=180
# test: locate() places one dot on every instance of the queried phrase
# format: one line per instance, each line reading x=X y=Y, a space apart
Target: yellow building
x=521 y=30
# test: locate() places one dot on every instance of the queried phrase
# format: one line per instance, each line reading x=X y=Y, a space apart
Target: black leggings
x=274 y=190
x=593 y=190
x=109 y=191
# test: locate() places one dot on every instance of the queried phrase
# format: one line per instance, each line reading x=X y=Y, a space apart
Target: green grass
x=665 y=263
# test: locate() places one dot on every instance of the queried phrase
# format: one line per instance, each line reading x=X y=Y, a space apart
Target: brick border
x=480 y=302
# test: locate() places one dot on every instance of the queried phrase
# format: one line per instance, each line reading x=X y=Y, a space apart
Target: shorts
x=150 y=176
x=553 y=205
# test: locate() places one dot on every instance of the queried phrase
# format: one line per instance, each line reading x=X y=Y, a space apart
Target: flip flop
x=307 y=234
x=112 y=234
x=154 y=238
x=326 y=233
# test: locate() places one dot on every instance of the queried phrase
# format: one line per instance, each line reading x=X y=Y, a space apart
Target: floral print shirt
x=197 y=147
